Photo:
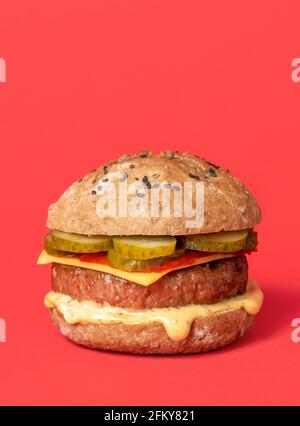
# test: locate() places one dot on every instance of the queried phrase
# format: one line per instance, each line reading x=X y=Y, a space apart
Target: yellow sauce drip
x=177 y=321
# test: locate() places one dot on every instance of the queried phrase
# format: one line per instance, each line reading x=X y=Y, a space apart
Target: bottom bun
x=210 y=333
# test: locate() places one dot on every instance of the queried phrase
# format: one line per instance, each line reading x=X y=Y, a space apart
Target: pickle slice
x=142 y=247
x=48 y=246
x=251 y=242
x=128 y=264
x=219 y=242
x=50 y=250
x=75 y=243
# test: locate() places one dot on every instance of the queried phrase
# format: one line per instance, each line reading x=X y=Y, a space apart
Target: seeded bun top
x=228 y=204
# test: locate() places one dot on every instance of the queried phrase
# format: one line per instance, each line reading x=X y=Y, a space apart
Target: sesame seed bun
x=210 y=333
x=228 y=204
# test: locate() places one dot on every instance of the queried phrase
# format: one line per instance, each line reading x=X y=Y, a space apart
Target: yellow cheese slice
x=177 y=321
x=142 y=278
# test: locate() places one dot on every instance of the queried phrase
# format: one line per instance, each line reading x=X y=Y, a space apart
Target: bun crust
x=206 y=334
x=228 y=204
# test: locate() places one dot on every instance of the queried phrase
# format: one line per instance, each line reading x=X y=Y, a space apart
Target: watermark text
x=2 y=70
x=155 y=200
x=295 y=336
x=2 y=330
x=296 y=70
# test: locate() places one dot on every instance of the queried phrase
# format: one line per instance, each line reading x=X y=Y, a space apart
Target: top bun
x=228 y=204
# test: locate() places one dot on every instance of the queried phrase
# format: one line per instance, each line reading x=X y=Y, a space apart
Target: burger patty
x=206 y=283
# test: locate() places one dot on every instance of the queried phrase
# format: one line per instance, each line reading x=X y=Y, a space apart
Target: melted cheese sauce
x=176 y=321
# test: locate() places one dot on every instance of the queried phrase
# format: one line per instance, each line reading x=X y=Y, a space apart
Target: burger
x=149 y=256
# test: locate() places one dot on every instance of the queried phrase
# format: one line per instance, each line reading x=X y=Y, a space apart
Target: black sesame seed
x=105 y=180
x=123 y=177
x=136 y=178
x=144 y=154
x=140 y=194
x=194 y=176
x=105 y=170
x=212 y=172
x=146 y=182
x=212 y=164
x=155 y=176
x=131 y=166
x=94 y=192
x=155 y=185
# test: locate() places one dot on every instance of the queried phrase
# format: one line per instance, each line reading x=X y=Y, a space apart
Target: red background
x=90 y=80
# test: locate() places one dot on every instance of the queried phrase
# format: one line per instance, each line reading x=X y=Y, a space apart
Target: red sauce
x=187 y=258
x=100 y=257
